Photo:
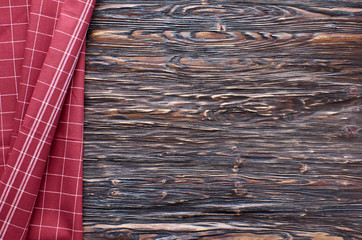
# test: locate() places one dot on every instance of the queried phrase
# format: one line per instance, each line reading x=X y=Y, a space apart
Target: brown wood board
x=224 y=120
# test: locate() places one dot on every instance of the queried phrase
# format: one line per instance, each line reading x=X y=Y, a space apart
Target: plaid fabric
x=41 y=117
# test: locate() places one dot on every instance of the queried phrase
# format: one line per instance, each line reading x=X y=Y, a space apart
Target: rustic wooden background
x=224 y=120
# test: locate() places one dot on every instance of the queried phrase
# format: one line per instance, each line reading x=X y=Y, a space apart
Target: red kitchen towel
x=42 y=45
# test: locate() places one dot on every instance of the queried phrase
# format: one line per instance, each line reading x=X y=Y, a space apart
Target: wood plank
x=224 y=120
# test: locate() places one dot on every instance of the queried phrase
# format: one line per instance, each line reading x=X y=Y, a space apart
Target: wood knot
x=303 y=168
x=238 y=190
x=164 y=194
x=115 y=182
x=331 y=26
x=221 y=27
x=351 y=131
x=116 y=193
x=239 y=161
x=238 y=184
x=353 y=91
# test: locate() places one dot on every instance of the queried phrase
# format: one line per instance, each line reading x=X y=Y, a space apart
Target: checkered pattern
x=41 y=117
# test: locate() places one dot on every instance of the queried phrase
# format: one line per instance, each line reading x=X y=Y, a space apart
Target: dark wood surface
x=224 y=120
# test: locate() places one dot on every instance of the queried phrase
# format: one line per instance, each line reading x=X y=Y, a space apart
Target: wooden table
x=224 y=120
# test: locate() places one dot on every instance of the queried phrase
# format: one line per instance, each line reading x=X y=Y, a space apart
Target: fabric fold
x=41 y=179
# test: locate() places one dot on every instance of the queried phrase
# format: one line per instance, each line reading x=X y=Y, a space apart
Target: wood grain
x=224 y=120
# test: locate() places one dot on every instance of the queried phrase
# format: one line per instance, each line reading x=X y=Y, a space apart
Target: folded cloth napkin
x=42 y=45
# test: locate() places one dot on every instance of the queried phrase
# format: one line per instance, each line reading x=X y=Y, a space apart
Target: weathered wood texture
x=224 y=120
